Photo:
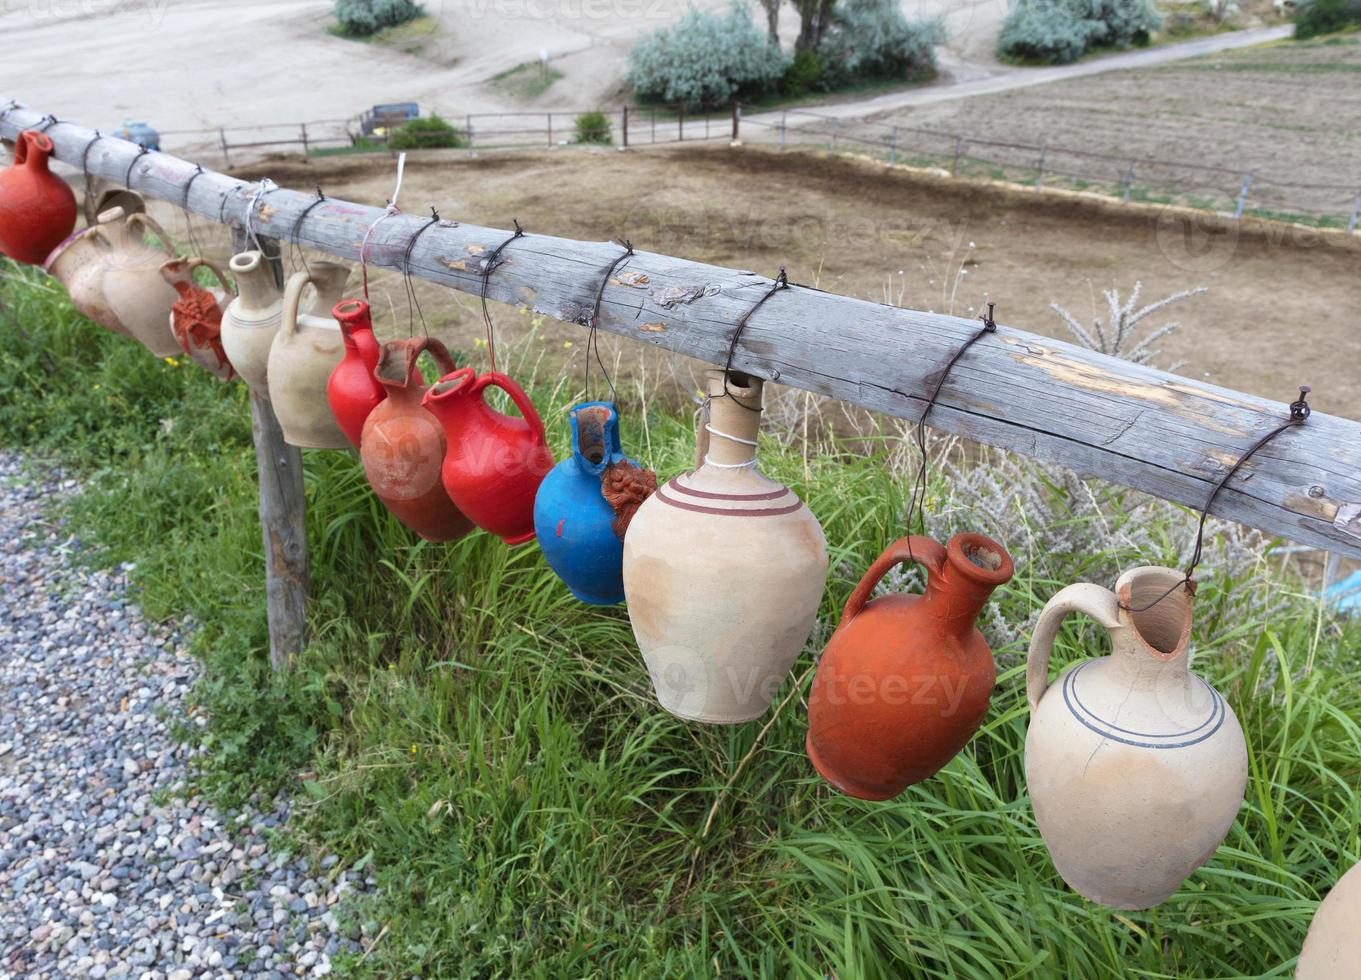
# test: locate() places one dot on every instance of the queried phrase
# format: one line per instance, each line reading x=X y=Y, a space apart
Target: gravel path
x=105 y=870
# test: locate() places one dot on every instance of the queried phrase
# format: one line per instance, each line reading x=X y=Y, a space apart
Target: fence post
x=784 y=124
x=283 y=508
x=680 y=124
x=1039 y=167
x=306 y=151
x=836 y=129
x=550 y=129
x=736 y=119
x=893 y=147
x=222 y=139
x=1356 y=214
x=468 y=125
x=654 y=125
x=624 y=125
x=1242 y=196
x=959 y=152
x=1129 y=184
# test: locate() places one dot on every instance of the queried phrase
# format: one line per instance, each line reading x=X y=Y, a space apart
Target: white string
x=388 y=212
x=715 y=432
x=729 y=466
x=261 y=189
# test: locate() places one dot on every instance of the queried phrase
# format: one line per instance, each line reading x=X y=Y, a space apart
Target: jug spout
x=328 y=279
x=595 y=436
x=974 y=565
x=447 y=398
x=255 y=281
x=1155 y=619
x=354 y=317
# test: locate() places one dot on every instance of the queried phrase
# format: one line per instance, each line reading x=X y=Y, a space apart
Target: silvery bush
x=1060 y=31
x=872 y=39
x=364 y=17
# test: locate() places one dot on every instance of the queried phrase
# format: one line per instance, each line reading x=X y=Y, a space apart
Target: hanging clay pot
x=1332 y=949
x=79 y=264
x=1136 y=766
x=102 y=195
x=37 y=208
x=133 y=289
x=585 y=504
x=252 y=319
x=403 y=445
x=905 y=680
x=723 y=571
x=352 y=390
x=494 y=463
x=305 y=351
x=196 y=317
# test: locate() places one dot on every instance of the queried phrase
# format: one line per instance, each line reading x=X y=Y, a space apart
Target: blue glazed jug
x=574 y=522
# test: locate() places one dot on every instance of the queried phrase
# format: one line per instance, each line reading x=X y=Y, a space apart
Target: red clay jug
x=196 y=317
x=37 y=209
x=494 y=463
x=905 y=679
x=403 y=445
x=353 y=391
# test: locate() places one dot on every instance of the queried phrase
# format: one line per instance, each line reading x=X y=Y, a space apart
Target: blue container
x=573 y=520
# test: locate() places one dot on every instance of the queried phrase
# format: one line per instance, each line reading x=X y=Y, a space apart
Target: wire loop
x=127 y=177
x=296 y=234
x=592 y=337
x=781 y=282
x=488 y=264
x=413 y=303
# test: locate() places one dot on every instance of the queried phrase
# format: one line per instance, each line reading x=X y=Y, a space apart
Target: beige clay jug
x=1136 y=766
x=133 y=289
x=252 y=319
x=79 y=264
x=723 y=571
x=305 y=351
x=1332 y=949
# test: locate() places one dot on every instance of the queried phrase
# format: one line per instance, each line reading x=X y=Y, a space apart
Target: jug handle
x=149 y=226
x=292 y=295
x=198 y=262
x=1096 y=601
x=517 y=395
x=923 y=550
x=426 y=345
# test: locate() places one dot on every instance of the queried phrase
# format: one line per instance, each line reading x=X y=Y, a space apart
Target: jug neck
x=1151 y=646
x=328 y=279
x=354 y=317
x=595 y=435
x=733 y=419
x=957 y=591
x=255 y=282
x=453 y=399
x=34 y=150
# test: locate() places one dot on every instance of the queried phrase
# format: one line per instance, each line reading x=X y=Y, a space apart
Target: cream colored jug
x=1332 y=949
x=252 y=319
x=723 y=571
x=305 y=351
x=133 y=288
x=1136 y=766
x=79 y=264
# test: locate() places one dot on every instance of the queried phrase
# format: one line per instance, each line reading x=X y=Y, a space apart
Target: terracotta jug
x=252 y=319
x=79 y=264
x=1332 y=949
x=403 y=445
x=723 y=571
x=1136 y=766
x=352 y=390
x=305 y=351
x=905 y=680
x=196 y=317
x=586 y=503
x=494 y=463
x=37 y=208
x=133 y=288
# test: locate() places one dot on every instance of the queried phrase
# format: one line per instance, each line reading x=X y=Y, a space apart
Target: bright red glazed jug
x=403 y=445
x=494 y=463
x=352 y=391
x=37 y=209
x=905 y=680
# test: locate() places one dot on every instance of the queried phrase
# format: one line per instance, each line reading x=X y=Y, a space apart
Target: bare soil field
x=1277 y=312
x=1289 y=113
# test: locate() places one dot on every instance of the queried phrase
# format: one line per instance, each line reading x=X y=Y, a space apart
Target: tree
x=772 y=9
x=815 y=16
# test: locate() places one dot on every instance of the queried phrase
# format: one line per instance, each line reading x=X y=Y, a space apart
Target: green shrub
x=804 y=74
x=707 y=59
x=872 y=39
x=1326 y=16
x=360 y=18
x=1061 y=31
x=593 y=127
x=430 y=133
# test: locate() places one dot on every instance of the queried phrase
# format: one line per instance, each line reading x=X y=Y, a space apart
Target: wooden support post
x=468 y=126
x=784 y=126
x=1242 y=197
x=283 y=509
x=305 y=150
x=1129 y=184
x=736 y=120
x=222 y=140
x=836 y=129
x=624 y=126
x=893 y=146
x=959 y=153
x=550 y=129
x=680 y=124
x=1039 y=168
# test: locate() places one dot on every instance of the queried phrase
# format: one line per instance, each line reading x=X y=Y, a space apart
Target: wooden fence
x=1136 y=426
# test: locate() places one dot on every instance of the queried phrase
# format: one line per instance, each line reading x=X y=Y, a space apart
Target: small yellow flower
x=171 y=361
x=566 y=344
x=413 y=749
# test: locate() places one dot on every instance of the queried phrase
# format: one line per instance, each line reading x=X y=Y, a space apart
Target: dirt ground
x=1289 y=112
x=1277 y=312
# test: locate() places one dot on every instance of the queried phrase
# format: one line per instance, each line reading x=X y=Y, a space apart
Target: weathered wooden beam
x=283 y=509
x=1136 y=426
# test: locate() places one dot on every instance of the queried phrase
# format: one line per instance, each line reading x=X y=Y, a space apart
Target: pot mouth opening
x=348 y=307
x=591 y=421
x=1165 y=625
x=981 y=559
x=451 y=383
x=244 y=261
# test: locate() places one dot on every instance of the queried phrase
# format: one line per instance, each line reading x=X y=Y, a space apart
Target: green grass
x=491 y=748
x=526 y=81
